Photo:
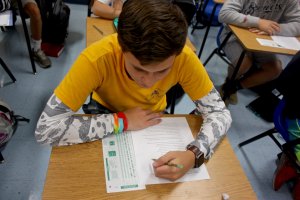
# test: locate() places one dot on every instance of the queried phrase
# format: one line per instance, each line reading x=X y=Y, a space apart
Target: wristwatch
x=199 y=155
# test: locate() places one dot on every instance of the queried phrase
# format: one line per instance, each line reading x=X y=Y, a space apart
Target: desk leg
x=26 y=36
x=207 y=30
x=236 y=69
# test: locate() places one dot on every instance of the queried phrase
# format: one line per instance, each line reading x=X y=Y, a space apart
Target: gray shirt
x=246 y=13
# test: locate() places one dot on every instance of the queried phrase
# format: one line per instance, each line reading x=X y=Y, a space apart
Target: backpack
x=4 y=5
x=55 y=22
x=8 y=125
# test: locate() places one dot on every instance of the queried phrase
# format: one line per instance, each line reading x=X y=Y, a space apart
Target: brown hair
x=152 y=30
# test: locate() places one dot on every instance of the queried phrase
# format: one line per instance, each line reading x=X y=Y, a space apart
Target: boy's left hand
x=172 y=173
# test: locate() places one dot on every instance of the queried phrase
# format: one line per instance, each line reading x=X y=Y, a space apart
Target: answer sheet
x=128 y=156
x=287 y=42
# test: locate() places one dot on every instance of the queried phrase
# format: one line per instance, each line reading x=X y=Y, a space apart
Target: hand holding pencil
x=174 y=164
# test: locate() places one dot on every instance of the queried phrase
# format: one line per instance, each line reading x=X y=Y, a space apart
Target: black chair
x=207 y=14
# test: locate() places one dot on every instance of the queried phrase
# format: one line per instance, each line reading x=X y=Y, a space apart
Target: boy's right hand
x=268 y=26
x=139 y=119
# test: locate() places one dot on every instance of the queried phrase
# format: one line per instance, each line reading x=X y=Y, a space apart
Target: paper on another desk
x=6 y=18
x=268 y=43
x=281 y=42
x=128 y=156
x=287 y=42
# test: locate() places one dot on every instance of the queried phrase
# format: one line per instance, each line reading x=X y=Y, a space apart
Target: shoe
x=41 y=58
x=232 y=99
x=296 y=190
x=285 y=171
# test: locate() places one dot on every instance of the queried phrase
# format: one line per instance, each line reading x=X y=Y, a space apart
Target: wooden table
x=106 y=26
x=249 y=42
x=77 y=172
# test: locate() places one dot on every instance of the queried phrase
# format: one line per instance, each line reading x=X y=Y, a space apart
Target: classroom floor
x=23 y=173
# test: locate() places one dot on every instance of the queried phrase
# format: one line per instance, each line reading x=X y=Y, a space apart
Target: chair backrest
x=280 y=120
x=208 y=6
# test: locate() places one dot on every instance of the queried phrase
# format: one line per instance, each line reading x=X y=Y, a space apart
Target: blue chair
x=280 y=126
x=204 y=12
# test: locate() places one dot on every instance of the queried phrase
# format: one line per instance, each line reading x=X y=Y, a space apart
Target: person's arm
x=290 y=26
x=216 y=122
x=230 y=13
x=105 y=11
x=59 y=125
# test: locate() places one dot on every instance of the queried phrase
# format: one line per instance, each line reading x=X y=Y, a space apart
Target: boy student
x=129 y=73
x=108 y=9
x=32 y=10
x=270 y=17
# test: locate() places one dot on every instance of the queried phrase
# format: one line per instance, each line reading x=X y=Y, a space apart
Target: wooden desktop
x=249 y=42
x=106 y=27
x=77 y=172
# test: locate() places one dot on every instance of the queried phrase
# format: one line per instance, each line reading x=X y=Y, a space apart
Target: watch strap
x=199 y=155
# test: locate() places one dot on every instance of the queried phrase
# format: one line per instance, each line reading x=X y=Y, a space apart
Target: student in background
x=287 y=85
x=108 y=9
x=32 y=10
x=129 y=74
x=281 y=17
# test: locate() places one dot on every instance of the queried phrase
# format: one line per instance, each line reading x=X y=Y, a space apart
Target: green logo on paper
x=111 y=143
x=112 y=153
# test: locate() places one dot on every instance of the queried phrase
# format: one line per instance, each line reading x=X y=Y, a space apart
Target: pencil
x=179 y=166
x=95 y=27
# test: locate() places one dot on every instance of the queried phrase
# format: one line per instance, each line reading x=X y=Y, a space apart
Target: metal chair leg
x=207 y=30
x=210 y=56
x=26 y=36
x=7 y=70
x=266 y=133
x=236 y=69
x=219 y=48
x=1 y=158
x=173 y=100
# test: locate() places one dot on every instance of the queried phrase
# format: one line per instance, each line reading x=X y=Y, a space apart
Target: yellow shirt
x=100 y=69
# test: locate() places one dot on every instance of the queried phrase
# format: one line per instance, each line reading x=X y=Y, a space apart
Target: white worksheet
x=128 y=156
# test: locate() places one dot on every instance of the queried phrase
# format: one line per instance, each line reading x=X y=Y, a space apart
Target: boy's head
x=151 y=30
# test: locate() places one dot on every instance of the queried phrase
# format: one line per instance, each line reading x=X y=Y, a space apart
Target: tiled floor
x=23 y=173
